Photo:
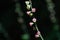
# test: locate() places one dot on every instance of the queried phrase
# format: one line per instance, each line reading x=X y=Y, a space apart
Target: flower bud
x=28 y=7
x=38 y=32
x=31 y=23
x=27 y=2
x=34 y=19
x=28 y=12
x=36 y=36
x=33 y=10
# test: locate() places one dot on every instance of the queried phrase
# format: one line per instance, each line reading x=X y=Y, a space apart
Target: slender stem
x=40 y=33
x=35 y=23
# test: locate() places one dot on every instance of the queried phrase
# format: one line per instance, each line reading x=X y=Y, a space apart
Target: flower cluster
x=37 y=34
x=30 y=13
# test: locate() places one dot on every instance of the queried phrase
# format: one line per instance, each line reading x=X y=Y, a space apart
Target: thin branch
x=39 y=31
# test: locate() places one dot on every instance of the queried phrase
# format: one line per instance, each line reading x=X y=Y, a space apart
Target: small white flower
x=34 y=19
x=28 y=12
x=33 y=9
x=31 y=23
x=38 y=32
x=27 y=2
x=36 y=36
x=28 y=6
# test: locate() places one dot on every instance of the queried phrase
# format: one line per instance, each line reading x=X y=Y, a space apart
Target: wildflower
x=28 y=7
x=37 y=34
x=28 y=12
x=34 y=19
x=31 y=23
x=31 y=14
x=33 y=10
x=27 y=2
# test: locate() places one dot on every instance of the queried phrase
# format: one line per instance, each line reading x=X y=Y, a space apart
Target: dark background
x=8 y=18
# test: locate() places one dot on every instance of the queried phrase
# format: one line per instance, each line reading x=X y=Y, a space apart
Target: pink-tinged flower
x=33 y=9
x=34 y=19
x=36 y=36
x=38 y=33
x=31 y=23
x=28 y=12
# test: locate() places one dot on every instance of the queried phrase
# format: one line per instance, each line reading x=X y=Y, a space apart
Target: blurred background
x=14 y=22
